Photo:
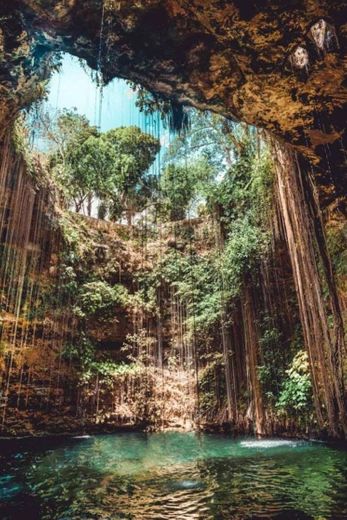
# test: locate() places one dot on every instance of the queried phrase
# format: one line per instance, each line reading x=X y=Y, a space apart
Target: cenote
x=172 y=476
x=173 y=260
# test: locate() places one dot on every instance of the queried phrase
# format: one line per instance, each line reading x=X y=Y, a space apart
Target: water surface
x=176 y=476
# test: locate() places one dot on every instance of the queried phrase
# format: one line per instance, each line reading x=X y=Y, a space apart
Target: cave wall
x=179 y=381
x=56 y=364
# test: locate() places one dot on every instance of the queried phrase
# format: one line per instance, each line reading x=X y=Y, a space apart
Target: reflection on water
x=174 y=476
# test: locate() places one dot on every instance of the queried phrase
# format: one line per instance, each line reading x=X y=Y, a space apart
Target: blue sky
x=73 y=87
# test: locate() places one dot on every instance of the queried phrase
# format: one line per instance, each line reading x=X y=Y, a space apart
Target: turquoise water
x=172 y=475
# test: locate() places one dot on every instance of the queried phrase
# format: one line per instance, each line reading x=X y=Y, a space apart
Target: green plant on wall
x=98 y=298
x=296 y=393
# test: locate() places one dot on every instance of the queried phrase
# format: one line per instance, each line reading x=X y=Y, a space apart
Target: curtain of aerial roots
x=227 y=344
x=252 y=358
x=29 y=372
x=241 y=331
x=240 y=346
x=324 y=345
x=174 y=388
x=182 y=351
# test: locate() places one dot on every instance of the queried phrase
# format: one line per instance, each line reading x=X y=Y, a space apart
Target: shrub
x=99 y=299
x=296 y=393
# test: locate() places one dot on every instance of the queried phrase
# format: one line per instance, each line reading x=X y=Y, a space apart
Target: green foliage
x=196 y=282
x=296 y=394
x=241 y=202
x=70 y=231
x=67 y=132
x=246 y=244
x=182 y=186
x=337 y=247
x=129 y=186
x=219 y=167
x=209 y=137
x=108 y=371
x=90 y=168
x=100 y=299
x=112 y=165
x=246 y=188
x=273 y=350
x=82 y=352
x=177 y=189
x=134 y=151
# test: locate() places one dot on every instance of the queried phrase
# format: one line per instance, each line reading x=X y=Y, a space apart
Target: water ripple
x=174 y=477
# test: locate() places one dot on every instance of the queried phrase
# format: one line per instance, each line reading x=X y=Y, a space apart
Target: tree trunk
x=89 y=204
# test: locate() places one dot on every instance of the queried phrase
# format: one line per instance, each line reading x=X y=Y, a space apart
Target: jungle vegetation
x=219 y=173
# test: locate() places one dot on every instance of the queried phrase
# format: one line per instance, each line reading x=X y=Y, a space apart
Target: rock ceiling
x=276 y=64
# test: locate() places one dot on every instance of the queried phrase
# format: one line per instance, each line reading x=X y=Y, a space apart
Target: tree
x=66 y=131
x=90 y=167
x=112 y=165
x=204 y=155
x=130 y=183
x=211 y=136
x=67 y=134
x=183 y=186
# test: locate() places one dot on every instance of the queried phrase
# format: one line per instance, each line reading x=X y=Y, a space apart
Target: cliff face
x=278 y=65
x=78 y=345
x=105 y=326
